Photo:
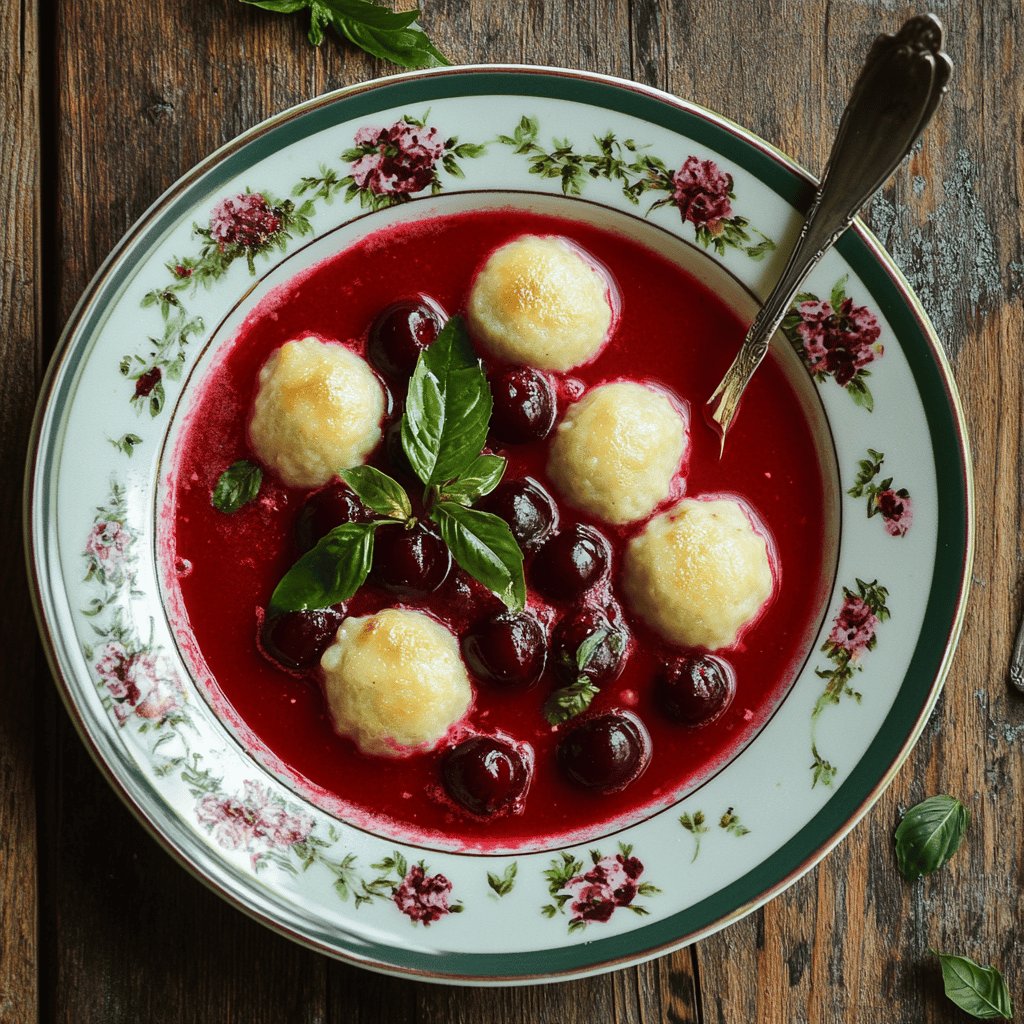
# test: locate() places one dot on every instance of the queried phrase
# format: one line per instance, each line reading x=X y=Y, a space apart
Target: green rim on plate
x=859 y=787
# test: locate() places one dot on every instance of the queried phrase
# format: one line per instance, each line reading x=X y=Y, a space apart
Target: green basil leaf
x=390 y=35
x=569 y=701
x=484 y=546
x=481 y=477
x=236 y=486
x=331 y=572
x=378 y=491
x=929 y=834
x=369 y=13
x=979 y=991
x=588 y=648
x=448 y=408
x=279 y=6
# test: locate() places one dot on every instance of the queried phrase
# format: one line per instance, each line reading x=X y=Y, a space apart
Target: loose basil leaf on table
x=484 y=546
x=378 y=492
x=929 y=834
x=480 y=477
x=236 y=486
x=979 y=991
x=448 y=408
x=390 y=35
x=330 y=572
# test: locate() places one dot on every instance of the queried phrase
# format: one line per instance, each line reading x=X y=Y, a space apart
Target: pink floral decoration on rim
x=611 y=883
x=255 y=821
x=247 y=220
x=422 y=897
x=399 y=160
x=703 y=193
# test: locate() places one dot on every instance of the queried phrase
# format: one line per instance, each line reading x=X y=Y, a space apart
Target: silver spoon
x=899 y=87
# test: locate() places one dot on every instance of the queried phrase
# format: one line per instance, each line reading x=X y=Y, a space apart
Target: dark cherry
x=485 y=775
x=527 y=508
x=296 y=640
x=570 y=563
x=400 y=333
x=324 y=510
x=509 y=649
x=524 y=405
x=606 y=660
x=412 y=562
x=397 y=459
x=695 y=690
x=606 y=753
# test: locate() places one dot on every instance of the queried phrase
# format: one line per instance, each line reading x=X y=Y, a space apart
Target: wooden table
x=105 y=103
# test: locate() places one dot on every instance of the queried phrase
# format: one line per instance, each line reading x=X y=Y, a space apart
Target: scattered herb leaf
x=503 y=884
x=390 y=35
x=378 y=491
x=237 y=486
x=586 y=650
x=979 y=991
x=573 y=700
x=570 y=701
x=448 y=408
x=484 y=546
x=331 y=572
x=480 y=477
x=929 y=834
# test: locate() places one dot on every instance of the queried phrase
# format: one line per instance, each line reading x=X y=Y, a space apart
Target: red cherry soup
x=671 y=330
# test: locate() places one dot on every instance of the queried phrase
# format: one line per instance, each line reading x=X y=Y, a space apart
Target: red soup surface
x=223 y=568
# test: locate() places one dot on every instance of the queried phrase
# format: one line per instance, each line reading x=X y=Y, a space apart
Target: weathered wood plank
x=20 y=357
x=128 y=935
x=850 y=941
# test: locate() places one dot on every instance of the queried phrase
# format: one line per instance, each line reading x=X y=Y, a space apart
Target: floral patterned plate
x=302 y=186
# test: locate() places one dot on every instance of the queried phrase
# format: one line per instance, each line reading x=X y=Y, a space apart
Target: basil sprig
x=979 y=991
x=448 y=408
x=574 y=699
x=331 y=572
x=444 y=429
x=929 y=834
x=484 y=546
x=377 y=491
x=390 y=35
x=236 y=486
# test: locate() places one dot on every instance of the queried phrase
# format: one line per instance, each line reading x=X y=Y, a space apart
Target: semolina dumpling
x=539 y=302
x=395 y=682
x=698 y=573
x=318 y=410
x=617 y=451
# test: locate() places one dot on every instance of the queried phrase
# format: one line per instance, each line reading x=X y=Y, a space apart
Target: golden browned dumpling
x=539 y=302
x=617 y=451
x=317 y=410
x=395 y=682
x=698 y=573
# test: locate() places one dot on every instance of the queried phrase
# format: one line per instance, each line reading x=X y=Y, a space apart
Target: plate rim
x=875 y=255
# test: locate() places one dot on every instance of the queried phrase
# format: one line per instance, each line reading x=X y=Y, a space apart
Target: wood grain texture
x=20 y=358
x=140 y=92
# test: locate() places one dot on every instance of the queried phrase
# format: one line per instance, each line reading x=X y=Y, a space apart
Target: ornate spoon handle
x=1017 y=660
x=899 y=87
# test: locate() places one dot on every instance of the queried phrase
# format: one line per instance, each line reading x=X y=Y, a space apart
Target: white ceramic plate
x=550 y=140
